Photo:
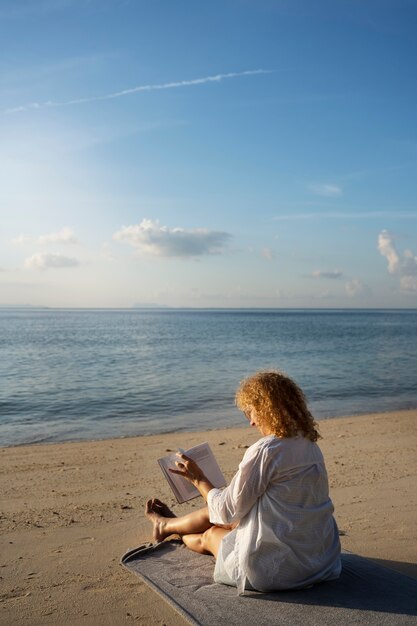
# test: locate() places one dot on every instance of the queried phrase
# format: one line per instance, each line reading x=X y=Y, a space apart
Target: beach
x=70 y=510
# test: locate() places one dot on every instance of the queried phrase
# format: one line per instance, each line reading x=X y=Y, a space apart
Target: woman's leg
x=165 y=525
x=207 y=542
x=195 y=528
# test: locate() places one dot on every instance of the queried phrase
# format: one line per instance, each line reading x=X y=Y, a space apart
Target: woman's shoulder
x=282 y=453
x=273 y=441
x=257 y=448
x=286 y=446
x=265 y=444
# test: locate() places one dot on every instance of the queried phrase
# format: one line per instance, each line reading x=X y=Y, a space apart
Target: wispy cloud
x=405 y=267
x=22 y=240
x=267 y=254
x=387 y=249
x=332 y=274
x=132 y=90
x=328 y=190
x=65 y=235
x=408 y=283
x=150 y=237
x=343 y=215
x=355 y=287
x=43 y=261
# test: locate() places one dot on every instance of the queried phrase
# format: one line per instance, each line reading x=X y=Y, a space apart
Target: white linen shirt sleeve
x=248 y=484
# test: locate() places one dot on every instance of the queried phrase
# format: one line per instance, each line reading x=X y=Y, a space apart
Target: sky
x=231 y=153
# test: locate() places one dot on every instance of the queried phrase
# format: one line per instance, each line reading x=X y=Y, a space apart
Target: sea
x=70 y=375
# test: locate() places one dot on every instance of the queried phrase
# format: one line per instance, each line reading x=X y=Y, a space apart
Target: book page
x=204 y=457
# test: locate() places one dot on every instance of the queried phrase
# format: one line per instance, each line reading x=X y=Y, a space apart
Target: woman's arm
x=248 y=484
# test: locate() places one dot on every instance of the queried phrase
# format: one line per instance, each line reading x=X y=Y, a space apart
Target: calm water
x=83 y=374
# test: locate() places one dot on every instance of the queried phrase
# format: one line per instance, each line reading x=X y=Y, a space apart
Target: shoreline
x=197 y=430
x=69 y=510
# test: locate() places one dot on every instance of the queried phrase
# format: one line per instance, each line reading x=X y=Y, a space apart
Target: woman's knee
x=200 y=542
x=211 y=538
x=206 y=538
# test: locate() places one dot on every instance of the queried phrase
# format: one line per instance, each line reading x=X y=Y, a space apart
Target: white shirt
x=287 y=536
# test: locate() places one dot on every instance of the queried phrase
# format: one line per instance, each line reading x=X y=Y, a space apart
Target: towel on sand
x=365 y=594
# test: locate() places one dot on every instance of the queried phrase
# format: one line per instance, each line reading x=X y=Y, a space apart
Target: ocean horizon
x=79 y=374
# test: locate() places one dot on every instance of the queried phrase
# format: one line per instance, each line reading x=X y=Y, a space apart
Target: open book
x=204 y=457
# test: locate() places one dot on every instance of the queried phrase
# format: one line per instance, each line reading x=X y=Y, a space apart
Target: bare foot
x=162 y=508
x=159 y=521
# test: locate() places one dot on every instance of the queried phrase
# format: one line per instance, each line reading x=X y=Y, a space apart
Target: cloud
x=65 y=235
x=333 y=274
x=327 y=190
x=22 y=240
x=408 y=283
x=139 y=88
x=355 y=287
x=404 y=266
x=150 y=237
x=42 y=261
x=267 y=254
x=386 y=248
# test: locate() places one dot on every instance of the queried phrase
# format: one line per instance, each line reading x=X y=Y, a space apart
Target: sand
x=68 y=512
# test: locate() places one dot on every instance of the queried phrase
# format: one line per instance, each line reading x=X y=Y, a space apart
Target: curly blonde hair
x=279 y=404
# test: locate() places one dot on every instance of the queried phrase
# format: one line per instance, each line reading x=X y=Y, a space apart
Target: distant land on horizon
x=151 y=305
x=166 y=307
x=23 y=306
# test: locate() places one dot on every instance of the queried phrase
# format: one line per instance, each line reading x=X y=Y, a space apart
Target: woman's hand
x=188 y=469
x=193 y=473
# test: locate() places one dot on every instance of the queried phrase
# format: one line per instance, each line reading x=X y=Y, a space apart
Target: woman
x=272 y=527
